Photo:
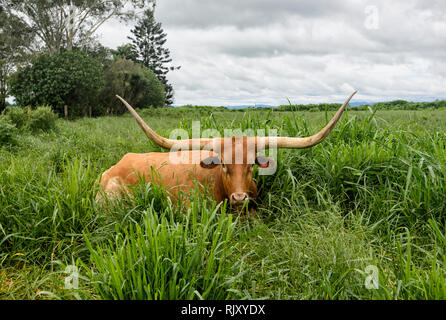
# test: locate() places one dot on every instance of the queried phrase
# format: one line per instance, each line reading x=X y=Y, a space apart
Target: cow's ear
x=210 y=162
x=264 y=162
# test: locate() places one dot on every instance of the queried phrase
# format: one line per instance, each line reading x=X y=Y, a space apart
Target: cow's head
x=237 y=160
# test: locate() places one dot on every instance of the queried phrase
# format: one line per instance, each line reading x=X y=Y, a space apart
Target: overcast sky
x=238 y=52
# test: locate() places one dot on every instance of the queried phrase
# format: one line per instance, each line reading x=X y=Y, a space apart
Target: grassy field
x=372 y=194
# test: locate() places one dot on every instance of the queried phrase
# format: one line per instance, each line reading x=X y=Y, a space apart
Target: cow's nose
x=238 y=197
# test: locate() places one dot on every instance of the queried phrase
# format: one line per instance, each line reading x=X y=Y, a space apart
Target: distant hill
x=360 y=103
x=251 y=106
x=354 y=104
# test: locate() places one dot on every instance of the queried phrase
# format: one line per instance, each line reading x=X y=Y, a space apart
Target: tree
x=70 y=78
x=135 y=83
x=148 y=44
x=124 y=52
x=14 y=38
x=66 y=24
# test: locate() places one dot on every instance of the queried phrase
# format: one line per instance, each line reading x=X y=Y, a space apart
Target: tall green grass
x=166 y=256
x=371 y=194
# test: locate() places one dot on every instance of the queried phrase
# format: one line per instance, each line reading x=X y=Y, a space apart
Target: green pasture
x=372 y=194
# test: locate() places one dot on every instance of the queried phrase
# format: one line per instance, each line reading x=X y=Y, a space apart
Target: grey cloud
x=246 y=13
x=401 y=29
x=246 y=52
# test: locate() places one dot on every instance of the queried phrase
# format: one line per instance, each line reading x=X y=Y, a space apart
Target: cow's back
x=176 y=171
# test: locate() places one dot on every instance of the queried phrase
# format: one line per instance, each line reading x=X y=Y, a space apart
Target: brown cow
x=225 y=165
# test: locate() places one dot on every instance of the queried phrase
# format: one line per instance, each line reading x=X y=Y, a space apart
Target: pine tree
x=148 y=45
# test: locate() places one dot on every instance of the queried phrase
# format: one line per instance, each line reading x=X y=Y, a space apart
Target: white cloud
x=250 y=52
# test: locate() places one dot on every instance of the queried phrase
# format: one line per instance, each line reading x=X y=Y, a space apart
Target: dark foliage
x=71 y=78
x=148 y=43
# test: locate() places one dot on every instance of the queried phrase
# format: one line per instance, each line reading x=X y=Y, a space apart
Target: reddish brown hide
x=228 y=175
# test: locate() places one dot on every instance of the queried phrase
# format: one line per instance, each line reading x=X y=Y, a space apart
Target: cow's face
x=236 y=169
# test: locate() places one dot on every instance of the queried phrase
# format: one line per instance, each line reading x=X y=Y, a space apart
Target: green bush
x=70 y=78
x=42 y=118
x=136 y=84
x=17 y=115
x=8 y=132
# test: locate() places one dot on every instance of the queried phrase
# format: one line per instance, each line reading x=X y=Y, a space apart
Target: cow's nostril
x=239 y=197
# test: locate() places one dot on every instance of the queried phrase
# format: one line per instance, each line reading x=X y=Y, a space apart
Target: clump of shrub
x=16 y=115
x=42 y=118
x=8 y=132
x=135 y=83
x=69 y=78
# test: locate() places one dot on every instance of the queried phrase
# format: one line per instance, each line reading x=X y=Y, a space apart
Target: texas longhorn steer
x=217 y=166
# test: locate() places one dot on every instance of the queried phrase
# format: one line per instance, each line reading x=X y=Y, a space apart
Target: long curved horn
x=260 y=142
x=164 y=142
x=307 y=142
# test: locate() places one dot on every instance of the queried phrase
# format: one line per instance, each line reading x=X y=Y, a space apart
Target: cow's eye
x=250 y=168
x=225 y=169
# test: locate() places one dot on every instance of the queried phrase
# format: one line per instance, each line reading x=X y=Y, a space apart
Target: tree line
x=49 y=55
x=388 y=105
